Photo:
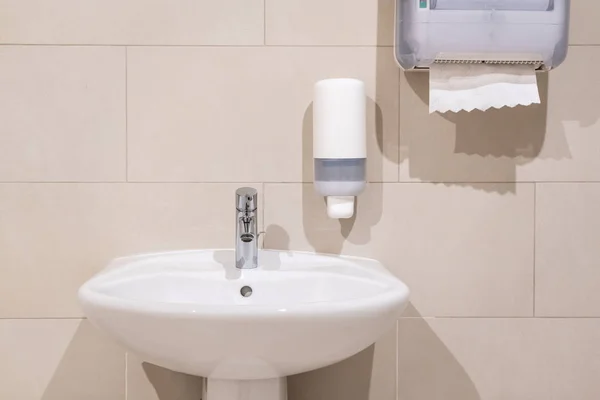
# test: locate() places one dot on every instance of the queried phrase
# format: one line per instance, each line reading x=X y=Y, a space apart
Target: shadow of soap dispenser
x=339 y=143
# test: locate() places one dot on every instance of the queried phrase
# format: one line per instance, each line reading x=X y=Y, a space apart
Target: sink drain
x=246 y=291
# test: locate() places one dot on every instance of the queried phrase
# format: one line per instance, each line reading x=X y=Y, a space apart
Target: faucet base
x=251 y=263
x=259 y=389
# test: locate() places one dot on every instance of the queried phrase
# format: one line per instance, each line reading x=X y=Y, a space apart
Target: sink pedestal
x=260 y=389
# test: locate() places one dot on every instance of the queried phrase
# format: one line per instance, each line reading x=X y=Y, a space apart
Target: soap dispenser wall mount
x=339 y=143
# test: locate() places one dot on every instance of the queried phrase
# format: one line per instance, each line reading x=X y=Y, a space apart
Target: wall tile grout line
x=262 y=214
x=196 y=45
x=398 y=121
x=40 y=318
x=566 y=317
x=126 y=377
x=140 y=182
x=264 y=22
x=464 y=184
x=213 y=45
x=534 y=238
x=396 y=386
x=56 y=182
x=126 y=114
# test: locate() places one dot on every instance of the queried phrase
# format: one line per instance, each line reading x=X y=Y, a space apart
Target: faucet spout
x=246 y=237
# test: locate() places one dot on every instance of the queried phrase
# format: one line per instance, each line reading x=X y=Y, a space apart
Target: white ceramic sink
x=185 y=311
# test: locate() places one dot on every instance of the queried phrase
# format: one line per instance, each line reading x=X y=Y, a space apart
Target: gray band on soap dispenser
x=340 y=169
x=340 y=176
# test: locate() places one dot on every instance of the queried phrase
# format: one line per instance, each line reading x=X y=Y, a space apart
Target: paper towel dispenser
x=481 y=31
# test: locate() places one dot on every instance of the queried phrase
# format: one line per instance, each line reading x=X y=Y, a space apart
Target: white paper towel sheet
x=457 y=87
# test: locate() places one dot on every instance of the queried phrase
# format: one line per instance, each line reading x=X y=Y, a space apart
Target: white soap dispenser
x=339 y=143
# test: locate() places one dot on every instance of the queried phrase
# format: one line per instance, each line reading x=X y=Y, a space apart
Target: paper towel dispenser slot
x=500 y=5
x=481 y=31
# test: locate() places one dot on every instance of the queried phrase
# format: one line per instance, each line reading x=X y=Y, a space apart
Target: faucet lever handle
x=246 y=199
x=261 y=234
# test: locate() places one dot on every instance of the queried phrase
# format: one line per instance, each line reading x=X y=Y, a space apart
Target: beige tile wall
x=127 y=125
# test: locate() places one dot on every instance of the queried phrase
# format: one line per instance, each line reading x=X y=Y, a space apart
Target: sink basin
x=194 y=312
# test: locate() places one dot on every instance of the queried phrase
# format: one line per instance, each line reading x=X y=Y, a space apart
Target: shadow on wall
x=505 y=132
x=427 y=369
x=79 y=375
x=93 y=368
x=171 y=385
x=477 y=146
x=348 y=380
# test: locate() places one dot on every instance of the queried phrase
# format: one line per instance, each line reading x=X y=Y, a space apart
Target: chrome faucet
x=246 y=235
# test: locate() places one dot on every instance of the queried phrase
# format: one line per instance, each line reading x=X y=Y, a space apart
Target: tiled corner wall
x=126 y=125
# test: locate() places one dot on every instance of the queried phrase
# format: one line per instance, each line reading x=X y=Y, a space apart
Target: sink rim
x=394 y=292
